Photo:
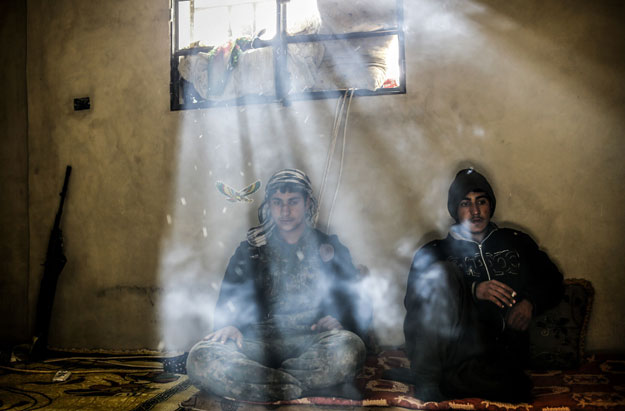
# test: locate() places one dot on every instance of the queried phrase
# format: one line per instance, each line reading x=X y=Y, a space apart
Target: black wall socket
x=82 y=103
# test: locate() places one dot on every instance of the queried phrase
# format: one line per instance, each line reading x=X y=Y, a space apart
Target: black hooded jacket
x=505 y=255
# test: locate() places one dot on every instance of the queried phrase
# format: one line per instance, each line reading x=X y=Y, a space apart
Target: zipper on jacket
x=479 y=246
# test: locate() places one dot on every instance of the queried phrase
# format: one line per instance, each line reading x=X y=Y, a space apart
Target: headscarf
x=257 y=236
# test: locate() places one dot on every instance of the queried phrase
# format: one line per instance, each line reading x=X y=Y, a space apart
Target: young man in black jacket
x=470 y=299
x=290 y=316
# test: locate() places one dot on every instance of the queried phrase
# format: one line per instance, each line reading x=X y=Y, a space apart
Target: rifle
x=55 y=261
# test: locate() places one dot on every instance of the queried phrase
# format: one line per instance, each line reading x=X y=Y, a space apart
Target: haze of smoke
x=385 y=298
x=240 y=146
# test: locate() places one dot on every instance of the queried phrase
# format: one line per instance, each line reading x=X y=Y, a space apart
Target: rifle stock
x=53 y=265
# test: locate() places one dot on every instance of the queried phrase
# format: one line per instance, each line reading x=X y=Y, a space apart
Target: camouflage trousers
x=277 y=369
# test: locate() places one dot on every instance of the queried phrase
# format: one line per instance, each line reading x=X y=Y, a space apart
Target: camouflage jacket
x=282 y=288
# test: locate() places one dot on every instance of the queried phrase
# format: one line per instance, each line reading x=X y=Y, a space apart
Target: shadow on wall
x=587 y=32
x=123 y=156
x=13 y=174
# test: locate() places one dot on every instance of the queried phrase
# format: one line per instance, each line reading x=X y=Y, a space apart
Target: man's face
x=474 y=213
x=288 y=211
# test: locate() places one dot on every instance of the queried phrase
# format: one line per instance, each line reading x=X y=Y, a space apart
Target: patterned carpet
x=94 y=384
x=137 y=383
x=599 y=384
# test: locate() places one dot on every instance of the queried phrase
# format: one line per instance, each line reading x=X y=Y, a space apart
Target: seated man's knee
x=204 y=358
x=348 y=351
x=198 y=359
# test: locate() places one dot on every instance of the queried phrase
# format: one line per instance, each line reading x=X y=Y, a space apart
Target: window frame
x=280 y=45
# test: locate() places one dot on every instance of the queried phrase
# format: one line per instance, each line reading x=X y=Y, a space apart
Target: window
x=231 y=52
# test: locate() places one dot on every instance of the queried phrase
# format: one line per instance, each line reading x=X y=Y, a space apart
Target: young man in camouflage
x=290 y=316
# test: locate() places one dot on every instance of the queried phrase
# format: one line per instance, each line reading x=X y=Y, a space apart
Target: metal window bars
x=280 y=44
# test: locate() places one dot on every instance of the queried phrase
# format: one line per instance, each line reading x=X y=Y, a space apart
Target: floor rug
x=599 y=384
x=95 y=386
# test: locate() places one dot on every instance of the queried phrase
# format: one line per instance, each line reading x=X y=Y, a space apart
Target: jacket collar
x=276 y=239
x=459 y=233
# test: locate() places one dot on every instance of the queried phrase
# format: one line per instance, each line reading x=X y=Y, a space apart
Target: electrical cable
x=27 y=370
x=338 y=182
x=134 y=357
x=340 y=104
x=341 y=116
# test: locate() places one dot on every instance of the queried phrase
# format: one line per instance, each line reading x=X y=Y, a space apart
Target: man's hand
x=497 y=292
x=520 y=315
x=327 y=323
x=224 y=334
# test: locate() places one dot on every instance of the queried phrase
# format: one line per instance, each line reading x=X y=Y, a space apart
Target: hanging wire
x=338 y=183
x=333 y=137
x=341 y=116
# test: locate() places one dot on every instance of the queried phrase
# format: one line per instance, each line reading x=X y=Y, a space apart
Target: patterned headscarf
x=257 y=236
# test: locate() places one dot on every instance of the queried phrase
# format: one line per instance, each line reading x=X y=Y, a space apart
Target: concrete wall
x=529 y=93
x=13 y=174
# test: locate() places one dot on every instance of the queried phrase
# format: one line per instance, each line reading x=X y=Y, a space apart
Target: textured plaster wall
x=530 y=93
x=122 y=153
x=13 y=174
